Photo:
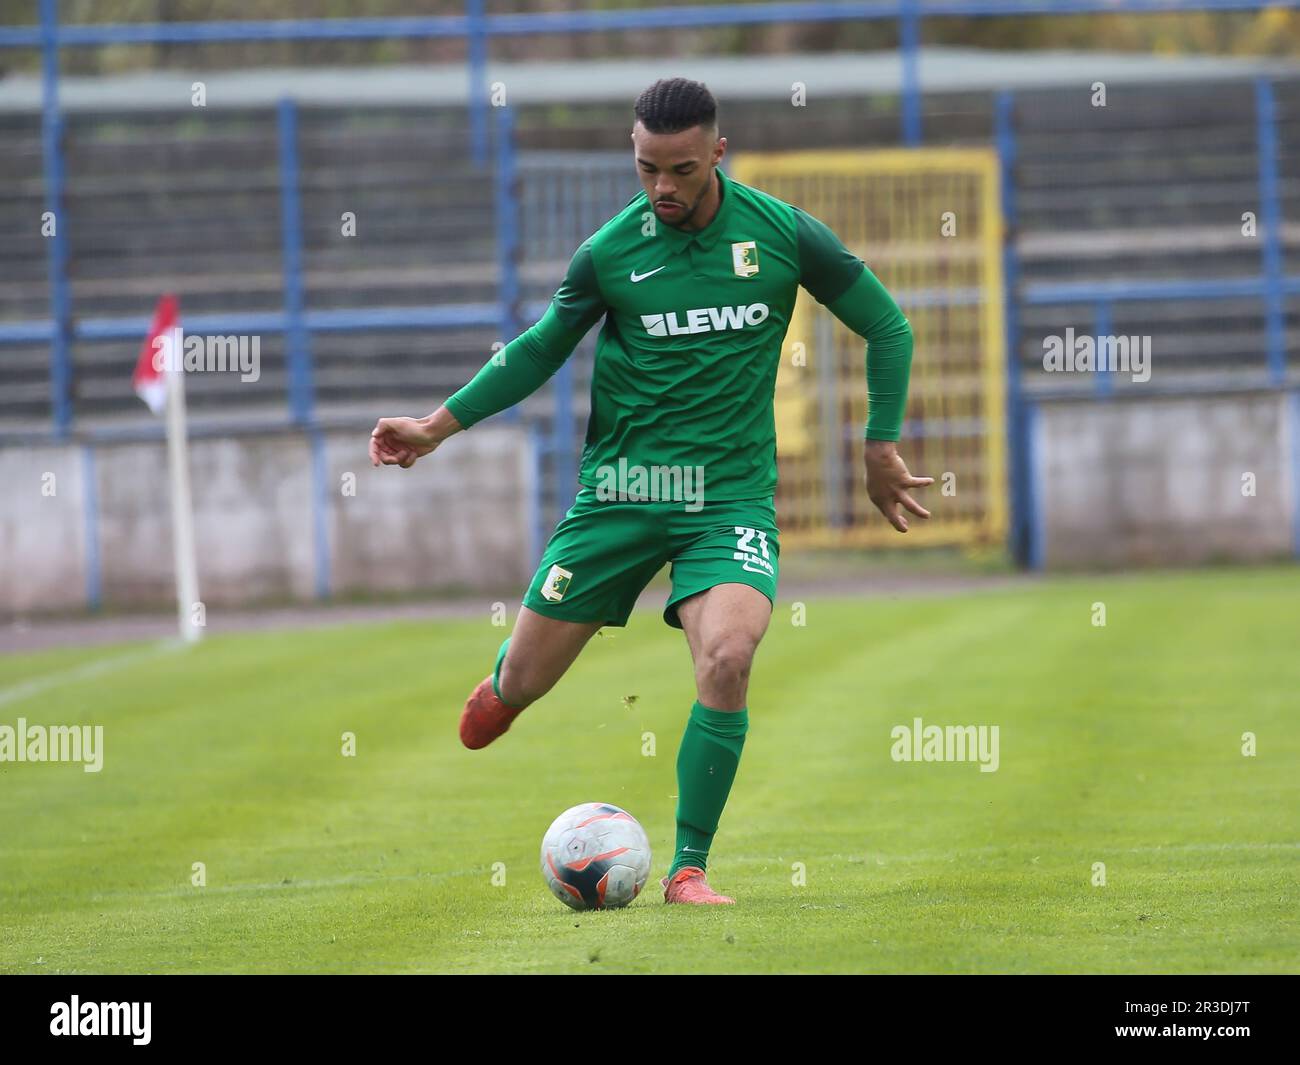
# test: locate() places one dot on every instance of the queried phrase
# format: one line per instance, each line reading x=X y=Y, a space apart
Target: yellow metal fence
x=928 y=223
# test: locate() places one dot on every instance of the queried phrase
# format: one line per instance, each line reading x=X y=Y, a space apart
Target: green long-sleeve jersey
x=694 y=322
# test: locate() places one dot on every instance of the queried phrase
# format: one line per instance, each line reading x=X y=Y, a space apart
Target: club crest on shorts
x=556 y=584
x=744 y=258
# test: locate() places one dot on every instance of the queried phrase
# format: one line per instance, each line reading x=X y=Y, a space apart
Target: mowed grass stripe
x=1118 y=745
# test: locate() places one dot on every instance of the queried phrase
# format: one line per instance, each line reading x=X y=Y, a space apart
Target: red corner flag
x=148 y=380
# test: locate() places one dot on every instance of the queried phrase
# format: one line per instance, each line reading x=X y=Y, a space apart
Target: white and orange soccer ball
x=595 y=857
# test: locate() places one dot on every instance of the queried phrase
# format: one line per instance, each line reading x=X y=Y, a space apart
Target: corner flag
x=159 y=380
x=148 y=380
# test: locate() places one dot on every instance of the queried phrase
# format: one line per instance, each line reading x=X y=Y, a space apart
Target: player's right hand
x=400 y=441
x=888 y=481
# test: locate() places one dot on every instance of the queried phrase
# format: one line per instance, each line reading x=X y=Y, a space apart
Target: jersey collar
x=707 y=237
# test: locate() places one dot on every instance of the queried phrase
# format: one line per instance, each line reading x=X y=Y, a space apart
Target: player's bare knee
x=726 y=664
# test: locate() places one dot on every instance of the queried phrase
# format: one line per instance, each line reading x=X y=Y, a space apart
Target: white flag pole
x=178 y=469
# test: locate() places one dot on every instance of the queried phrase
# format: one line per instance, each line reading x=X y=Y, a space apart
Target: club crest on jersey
x=556 y=584
x=744 y=258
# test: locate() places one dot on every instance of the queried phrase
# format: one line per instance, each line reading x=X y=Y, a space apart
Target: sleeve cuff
x=460 y=412
x=881 y=434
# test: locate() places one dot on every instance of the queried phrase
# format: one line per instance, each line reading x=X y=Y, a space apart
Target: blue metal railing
x=507 y=219
x=297 y=349
x=1021 y=484
x=1270 y=222
x=52 y=160
x=478 y=28
x=1271 y=286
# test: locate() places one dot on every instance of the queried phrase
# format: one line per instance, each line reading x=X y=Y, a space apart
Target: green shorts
x=603 y=554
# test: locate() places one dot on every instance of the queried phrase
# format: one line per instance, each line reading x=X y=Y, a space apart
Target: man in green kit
x=695 y=279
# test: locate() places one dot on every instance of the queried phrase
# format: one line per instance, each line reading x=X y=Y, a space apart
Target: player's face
x=676 y=169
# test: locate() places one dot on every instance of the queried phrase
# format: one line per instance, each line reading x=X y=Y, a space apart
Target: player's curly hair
x=671 y=105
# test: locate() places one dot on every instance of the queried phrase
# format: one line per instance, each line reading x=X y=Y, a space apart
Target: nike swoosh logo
x=641 y=277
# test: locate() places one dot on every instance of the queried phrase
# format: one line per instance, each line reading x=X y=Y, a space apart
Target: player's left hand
x=888 y=482
x=400 y=441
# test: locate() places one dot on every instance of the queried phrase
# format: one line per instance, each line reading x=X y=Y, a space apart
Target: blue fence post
x=909 y=39
x=90 y=503
x=1270 y=224
x=1036 y=534
x=1294 y=411
x=1103 y=380
x=506 y=207
x=1019 y=468
x=507 y=217
x=57 y=259
x=536 y=525
x=509 y=314
x=562 y=438
x=320 y=513
x=477 y=47
x=296 y=341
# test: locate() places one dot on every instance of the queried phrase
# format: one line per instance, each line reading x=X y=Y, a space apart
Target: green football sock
x=496 y=670
x=706 y=766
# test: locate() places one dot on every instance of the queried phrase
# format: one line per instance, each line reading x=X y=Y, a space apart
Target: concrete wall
x=275 y=514
x=1159 y=481
x=459 y=519
x=1118 y=482
x=42 y=528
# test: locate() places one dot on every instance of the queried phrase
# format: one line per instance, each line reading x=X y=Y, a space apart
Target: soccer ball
x=595 y=857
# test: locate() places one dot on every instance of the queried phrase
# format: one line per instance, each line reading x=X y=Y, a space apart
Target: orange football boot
x=689 y=885
x=485 y=717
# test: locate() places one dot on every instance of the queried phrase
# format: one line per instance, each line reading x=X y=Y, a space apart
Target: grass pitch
x=1119 y=745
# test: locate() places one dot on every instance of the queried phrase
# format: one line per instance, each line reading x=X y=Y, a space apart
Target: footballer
x=695 y=281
